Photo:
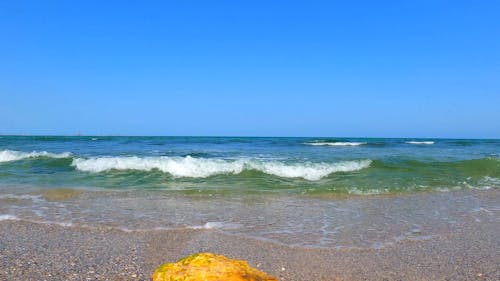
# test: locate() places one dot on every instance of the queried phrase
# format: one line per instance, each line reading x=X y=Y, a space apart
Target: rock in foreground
x=209 y=267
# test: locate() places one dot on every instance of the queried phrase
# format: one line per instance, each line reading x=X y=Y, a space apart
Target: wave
x=481 y=165
x=420 y=142
x=12 y=155
x=204 y=167
x=339 y=143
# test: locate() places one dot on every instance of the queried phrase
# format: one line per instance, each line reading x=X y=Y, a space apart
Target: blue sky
x=254 y=68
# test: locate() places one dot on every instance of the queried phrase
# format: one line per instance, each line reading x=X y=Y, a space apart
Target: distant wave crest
x=12 y=155
x=339 y=143
x=203 y=167
x=420 y=142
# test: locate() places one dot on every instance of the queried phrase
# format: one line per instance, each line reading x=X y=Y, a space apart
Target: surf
x=13 y=155
x=192 y=167
x=340 y=143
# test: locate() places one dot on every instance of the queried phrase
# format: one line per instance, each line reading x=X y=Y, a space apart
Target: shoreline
x=288 y=220
x=31 y=251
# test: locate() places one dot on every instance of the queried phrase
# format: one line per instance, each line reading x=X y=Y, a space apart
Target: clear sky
x=253 y=68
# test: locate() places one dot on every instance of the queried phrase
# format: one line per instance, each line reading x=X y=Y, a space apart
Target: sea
x=300 y=192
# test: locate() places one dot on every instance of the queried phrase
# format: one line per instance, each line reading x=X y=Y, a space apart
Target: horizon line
x=236 y=136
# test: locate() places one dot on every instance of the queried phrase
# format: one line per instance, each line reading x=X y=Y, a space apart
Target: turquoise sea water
x=239 y=164
x=301 y=192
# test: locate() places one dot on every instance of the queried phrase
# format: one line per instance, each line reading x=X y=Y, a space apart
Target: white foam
x=326 y=143
x=14 y=218
x=490 y=181
x=65 y=224
x=448 y=189
x=21 y=197
x=216 y=225
x=356 y=191
x=12 y=155
x=177 y=166
x=203 y=167
x=7 y=217
x=310 y=171
x=420 y=142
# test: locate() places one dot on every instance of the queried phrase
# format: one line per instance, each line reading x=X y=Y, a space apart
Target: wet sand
x=35 y=251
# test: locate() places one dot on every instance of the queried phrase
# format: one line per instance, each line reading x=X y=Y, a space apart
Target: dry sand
x=33 y=251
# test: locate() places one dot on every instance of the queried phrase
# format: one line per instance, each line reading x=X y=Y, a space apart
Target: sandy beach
x=315 y=140
x=37 y=251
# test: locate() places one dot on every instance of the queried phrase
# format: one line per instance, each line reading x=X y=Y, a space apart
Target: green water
x=293 y=191
x=299 y=165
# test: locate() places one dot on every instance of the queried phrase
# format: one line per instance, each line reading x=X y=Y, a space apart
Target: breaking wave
x=203 y=167
x=420 y=142
x=12 y=155
x=340 y=143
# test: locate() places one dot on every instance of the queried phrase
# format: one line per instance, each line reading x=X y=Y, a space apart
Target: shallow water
x=293 y=220
x=304 y=192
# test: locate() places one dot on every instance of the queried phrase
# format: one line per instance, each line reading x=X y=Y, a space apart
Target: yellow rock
x=209 y=267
